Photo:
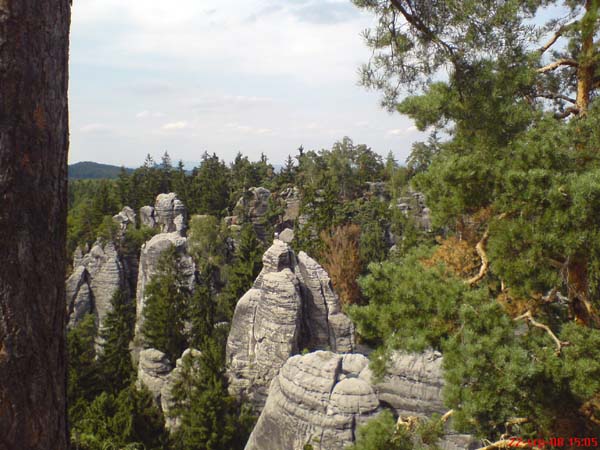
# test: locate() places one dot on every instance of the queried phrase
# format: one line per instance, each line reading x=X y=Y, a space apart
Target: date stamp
x=569 y=442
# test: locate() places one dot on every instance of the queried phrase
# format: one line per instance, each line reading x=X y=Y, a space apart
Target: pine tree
x=165 y=310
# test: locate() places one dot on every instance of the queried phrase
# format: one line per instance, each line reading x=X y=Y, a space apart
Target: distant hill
x=89 y=170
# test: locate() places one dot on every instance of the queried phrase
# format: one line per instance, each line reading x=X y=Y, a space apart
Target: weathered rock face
x=290 y=307
x=153 y=372
x=413 y=385
x=189 y=357
x=147 y=218
x=94 y=281
x=414 y=206
x=79 y=295
x=321 y=399
x=149 y=258
x=167 y=210
x=315 y=399
x=171 y=215
x=253 y=206
x=291 y=197
x=125 y=218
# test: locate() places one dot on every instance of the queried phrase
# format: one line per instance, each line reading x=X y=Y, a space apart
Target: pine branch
x=558 y=63
x=508 y=443
x=485 y=263
x=528 y=316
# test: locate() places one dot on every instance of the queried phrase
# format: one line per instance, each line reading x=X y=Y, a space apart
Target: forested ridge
x=484 y=247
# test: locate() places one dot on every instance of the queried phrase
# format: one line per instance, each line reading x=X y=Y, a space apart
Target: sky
x=222 y=76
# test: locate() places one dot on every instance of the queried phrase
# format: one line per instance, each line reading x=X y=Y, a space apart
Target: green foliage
x=166 y=306
x=127 y=420
x=83 y=376
x=243 y=271
x=210 y=418
x=381 y=434
x=114 y=359
x=411 y=307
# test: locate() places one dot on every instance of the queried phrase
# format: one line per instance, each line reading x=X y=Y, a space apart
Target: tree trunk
x=587 y=66
x=34 y=40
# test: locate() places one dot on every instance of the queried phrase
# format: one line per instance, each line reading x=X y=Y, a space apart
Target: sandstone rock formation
x=413 y=385
x=94 y=281
x=167 y=211
x=154 y=369
x=147 y=217
x=321 y=399
x=170 y=214
x=252 y=207
x=125 y=218
x=291 y=307
x=190 y=358
x=291 y=197
x=315 y=399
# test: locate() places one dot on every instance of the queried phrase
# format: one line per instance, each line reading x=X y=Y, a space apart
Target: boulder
x=147 y=217
x=291 y=307
x=315 y=399
x=287 y=235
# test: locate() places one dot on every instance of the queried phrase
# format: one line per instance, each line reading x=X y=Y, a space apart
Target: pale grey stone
x=291 y=307
x=309 y=403
x=287 y=235
x=153 y=372
x=125 y=218
x=149 y=258
x=191 y=358
x=147 y=217
x=253 y=205
x=79 y=295
x=166 y=210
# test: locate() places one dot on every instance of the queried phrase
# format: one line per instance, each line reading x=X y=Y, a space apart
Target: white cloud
x=147 y=114
x=95 y=128
x=175 y=126
x=403 y=131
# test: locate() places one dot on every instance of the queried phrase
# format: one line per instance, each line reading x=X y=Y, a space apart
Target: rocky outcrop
x=154 y=369
x=125 y=218
x=321 y=399
x=413 y=206
x=291 y=307
x=315 y=399
x=413 y=384
x=189 y=361
x=94 y=281
x=79 y=295
x=147 y=218
x=252 y=207
x=170 y=213
x=291 y=198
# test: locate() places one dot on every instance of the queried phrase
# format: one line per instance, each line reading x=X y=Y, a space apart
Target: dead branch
x=567 y=113
x=485 y=263
x=511 y=423
x=552 y=96
x=508 y=443
x=555 y=37
x=446 y=416
x=556 y=64
x=559 y=344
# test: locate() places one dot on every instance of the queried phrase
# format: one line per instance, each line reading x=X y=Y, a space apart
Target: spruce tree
x=165 y=310
x=115 y=359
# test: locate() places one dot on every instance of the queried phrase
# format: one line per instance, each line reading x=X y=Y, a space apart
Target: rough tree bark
x=34 y=39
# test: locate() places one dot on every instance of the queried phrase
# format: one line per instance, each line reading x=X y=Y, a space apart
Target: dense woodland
x=506 y=284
